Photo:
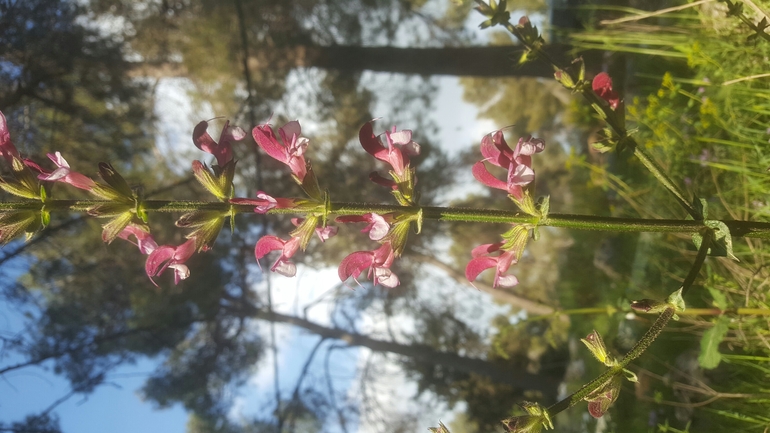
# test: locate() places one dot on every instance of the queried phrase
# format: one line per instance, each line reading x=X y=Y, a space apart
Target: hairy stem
x=657 y=327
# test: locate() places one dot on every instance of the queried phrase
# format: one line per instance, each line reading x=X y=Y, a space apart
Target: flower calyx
x=652 y=306
x=601 y=400
x=596 y=345
x=494 y=11
x=530 y=37
x=573 y=76
x=219 y=182
x=440 y=429
x=124 y=203
x=205 y=225
x=536 y=420
x=24 y=183
x=13 y=223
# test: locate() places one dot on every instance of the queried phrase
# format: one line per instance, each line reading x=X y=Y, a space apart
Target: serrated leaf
x=709 y=345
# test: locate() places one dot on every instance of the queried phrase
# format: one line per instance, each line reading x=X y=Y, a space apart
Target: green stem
x=594 y=385
x=611 y=120
x=657 y=327
x=572 y=221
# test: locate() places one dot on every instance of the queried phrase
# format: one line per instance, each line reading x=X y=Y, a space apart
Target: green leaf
x=720 y=301
x=709 y=345
x=723 y=241
x=701 y=206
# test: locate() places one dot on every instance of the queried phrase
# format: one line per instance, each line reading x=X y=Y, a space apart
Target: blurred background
x=88 y=344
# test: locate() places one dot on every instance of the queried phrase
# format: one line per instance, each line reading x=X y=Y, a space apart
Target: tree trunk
x=478 y=61
x=518 y=379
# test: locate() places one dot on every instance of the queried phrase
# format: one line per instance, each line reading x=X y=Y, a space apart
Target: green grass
x=709 y=126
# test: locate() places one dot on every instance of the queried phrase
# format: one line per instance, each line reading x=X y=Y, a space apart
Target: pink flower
x=602 y=86
x=168 y=256
x=289 y=151
x=265 y=202
x=518 y=162
x=288 y=248
x=378 y=262
x=378 y=226
x=222 y=150
x=62 y=173
x=397 y=151
x=144 y=239
x=323 y=233
x=482 y=260
x=7 y=149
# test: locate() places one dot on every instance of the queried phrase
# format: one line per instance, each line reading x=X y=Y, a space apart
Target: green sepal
x=630 y=376
x=305 y=231
x=207 y=179
x=398 y=235
x=701 y=207
x=440 y=429
x=596 y=345
x=310 y=183
x=18 y=189
x=676 y=300
x=115 y=180
x=649 y=306
x=206 y=234
x=16 y=222
x=25 y=176
x=112 y=229
x=526 y=204
x=601 y=147
x=225 y=179
x=564 y=78
x=544 y=206
x=206 y=225
x=516 y=239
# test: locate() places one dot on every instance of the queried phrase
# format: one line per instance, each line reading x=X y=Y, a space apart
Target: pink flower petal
x=355 y=263
x=268 y=243
x=478 y=265
x=385 y=277
x=325 y=233
x=265 y=138
x=377 y=227
x=158 y=261
x=7 y=149
x=482 y=175
x=521 y=175
x=370 y=142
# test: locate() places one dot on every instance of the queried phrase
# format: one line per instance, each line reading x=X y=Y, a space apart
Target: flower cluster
x=518 y=163
x=396 y=150
x=390 y=230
